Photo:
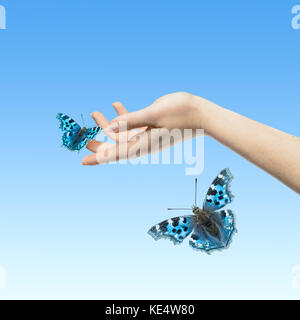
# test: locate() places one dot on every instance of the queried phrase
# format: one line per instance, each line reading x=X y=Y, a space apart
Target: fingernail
x=114 y=127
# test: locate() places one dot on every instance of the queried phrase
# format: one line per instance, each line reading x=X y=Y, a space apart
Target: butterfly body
x=201 y=215
x=209 y=228
x=80 y=135
x=205 y=220
x=74 y=137
x=82 y=132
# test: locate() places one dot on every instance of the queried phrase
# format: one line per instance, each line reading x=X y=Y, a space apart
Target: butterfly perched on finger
x=210 y=227
x=74 y=137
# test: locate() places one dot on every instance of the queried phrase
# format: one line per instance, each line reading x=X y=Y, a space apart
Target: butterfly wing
x=218 y=194
x=82 y=141
x=211 y=229
x=201 y=239
x=75 y=138
x=175 y=229
x=92 y=132
x=68 y=139
x=71 y=131
x=67 y=123
x=226 y=219
x=214 y=235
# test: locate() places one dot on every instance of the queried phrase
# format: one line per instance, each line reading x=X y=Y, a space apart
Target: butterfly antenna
x=196 y=192
x=82 y=120
x=179 y=209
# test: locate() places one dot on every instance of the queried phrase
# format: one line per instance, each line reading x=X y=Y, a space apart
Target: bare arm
x=276 y=152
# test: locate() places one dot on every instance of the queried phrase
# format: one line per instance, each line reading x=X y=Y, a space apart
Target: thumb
x=132 y=120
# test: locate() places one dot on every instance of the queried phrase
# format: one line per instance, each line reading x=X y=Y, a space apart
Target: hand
x=174 y=111
x=274 y=151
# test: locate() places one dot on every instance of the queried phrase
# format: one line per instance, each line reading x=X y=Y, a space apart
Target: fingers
x=102 y=122
x=107 y=152
x=90 y=160
x=120 y=109
x=93 y=145
x=149 y=141
x=126 y=150
x=132 y=120
x=102 y=155
x=100 y=119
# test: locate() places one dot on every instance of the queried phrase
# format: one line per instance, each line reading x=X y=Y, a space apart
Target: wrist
x=205 y=111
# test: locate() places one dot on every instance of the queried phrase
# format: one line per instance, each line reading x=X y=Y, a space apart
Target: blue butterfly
x=74 y=137
x=211 y=229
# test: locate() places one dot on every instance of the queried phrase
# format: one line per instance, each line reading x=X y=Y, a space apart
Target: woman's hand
x=274 y=151
x=179 y=110
x=141 y=132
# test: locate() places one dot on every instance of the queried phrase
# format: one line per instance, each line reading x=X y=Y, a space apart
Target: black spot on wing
x=92 y=132
x=219 y=181
x=211 y=192
x=195 y=237
x=175 y=222
x=163 y=226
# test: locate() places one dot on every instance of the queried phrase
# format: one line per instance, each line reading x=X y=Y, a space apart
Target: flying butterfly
x=74 y=137
x=209 y=228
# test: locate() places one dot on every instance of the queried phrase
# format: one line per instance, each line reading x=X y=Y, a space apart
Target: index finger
x=100 y=119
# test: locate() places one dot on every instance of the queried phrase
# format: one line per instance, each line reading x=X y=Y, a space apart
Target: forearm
x=274 y=151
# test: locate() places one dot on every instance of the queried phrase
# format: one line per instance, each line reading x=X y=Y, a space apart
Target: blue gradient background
x=68 y=231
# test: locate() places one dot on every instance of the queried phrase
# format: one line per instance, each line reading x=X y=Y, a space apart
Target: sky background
x=74 y=232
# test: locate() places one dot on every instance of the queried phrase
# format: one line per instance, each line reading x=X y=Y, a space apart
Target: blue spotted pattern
x=74 y=137
x=175 y=229
x=218 y=194
x=210 y=229
x=203 y=239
